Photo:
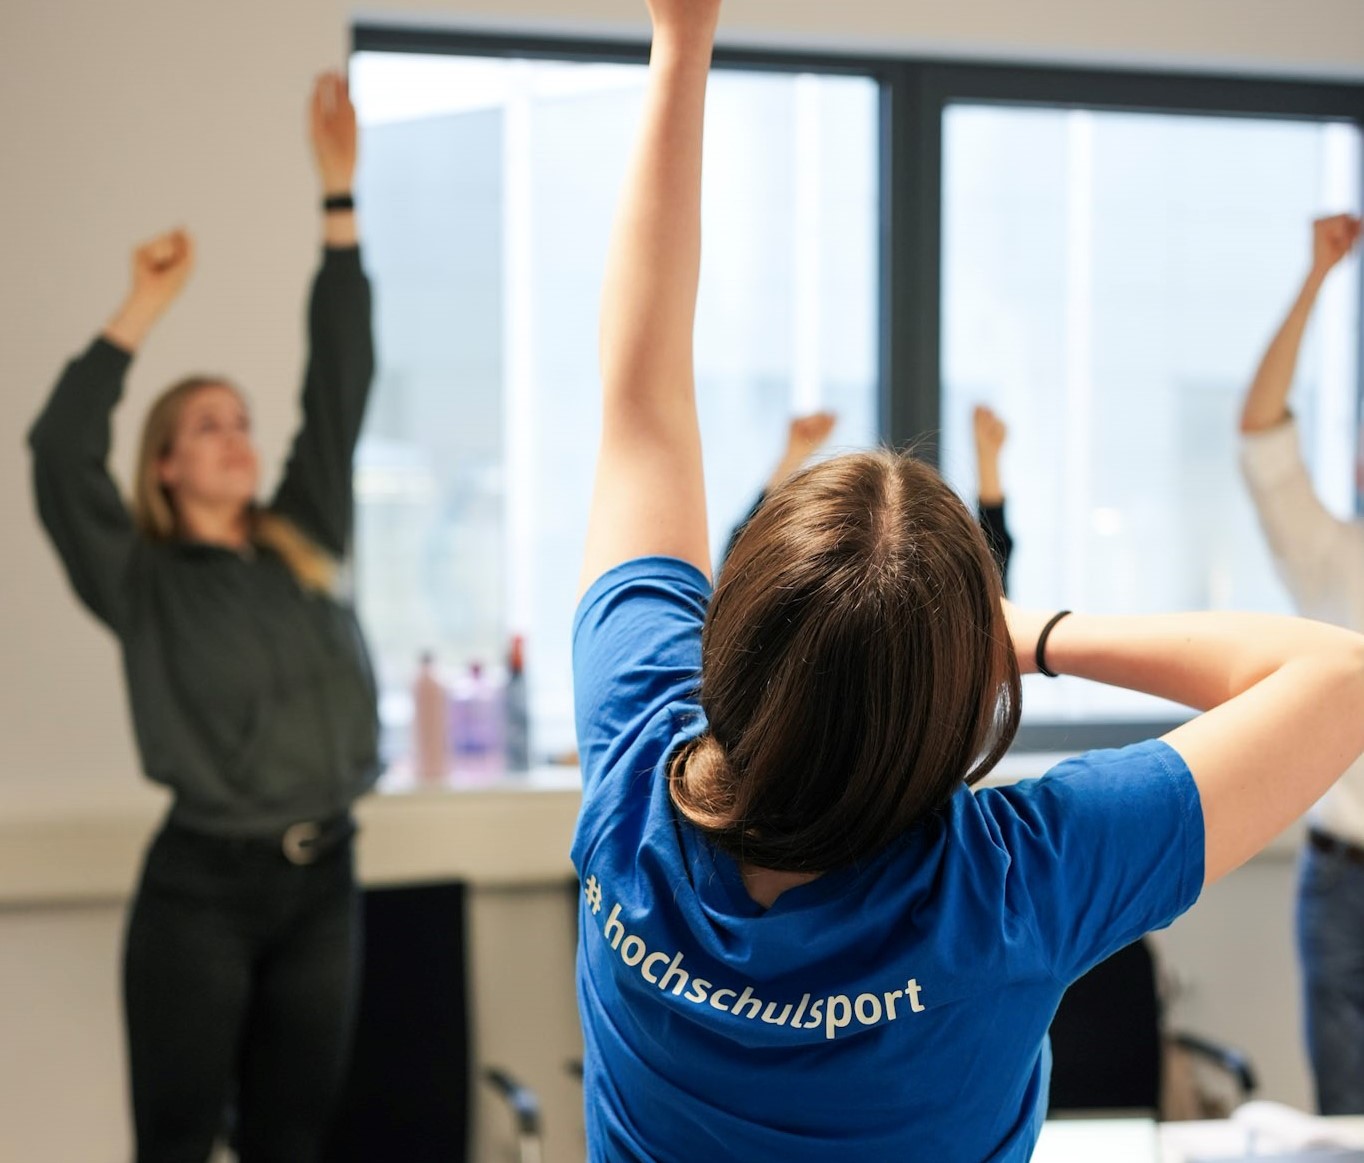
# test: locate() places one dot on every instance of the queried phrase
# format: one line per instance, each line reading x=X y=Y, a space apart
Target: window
x=1100 y=256
x=488 y=187
x=1109 y=283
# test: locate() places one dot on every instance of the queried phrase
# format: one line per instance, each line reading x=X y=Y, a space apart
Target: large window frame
x=914 y=96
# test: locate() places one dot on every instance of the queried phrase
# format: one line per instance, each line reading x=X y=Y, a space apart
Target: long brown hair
x=154 y=512
x=856 y=668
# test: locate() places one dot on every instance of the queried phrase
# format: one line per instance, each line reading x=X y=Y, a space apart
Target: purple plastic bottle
x=476 y=723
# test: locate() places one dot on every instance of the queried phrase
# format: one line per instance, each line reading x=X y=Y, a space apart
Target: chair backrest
x=408 y=1093
x=1106 y=1037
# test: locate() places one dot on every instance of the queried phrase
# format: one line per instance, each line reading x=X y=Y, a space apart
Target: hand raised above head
x=685 y=17
x=333 y=130
x=160 y=267
x=1332 y=239
x=990 y=431
x=807 y=434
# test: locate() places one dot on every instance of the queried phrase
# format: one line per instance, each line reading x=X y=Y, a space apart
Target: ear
x=165 y=472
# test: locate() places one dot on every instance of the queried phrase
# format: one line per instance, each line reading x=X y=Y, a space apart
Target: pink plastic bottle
x=430 y=749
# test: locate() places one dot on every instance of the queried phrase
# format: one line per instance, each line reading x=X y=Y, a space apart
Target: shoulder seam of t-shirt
x=674 y=569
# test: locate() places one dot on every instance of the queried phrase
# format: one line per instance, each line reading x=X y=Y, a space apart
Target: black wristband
x=1040 y=655
x=336 y=203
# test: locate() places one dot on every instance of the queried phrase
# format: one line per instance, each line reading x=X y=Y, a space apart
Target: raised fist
x=160 y=268
x=1332 y=239
x=990 y=431
x=808 y=433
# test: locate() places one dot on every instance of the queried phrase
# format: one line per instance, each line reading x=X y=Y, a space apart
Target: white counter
x=83 y=844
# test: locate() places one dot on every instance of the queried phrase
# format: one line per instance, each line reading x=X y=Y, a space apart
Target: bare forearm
x=788 y=466
x=990 y=489
x=649 y=297
x=131 y=323
x=1266 y=404
x=340 y=228
x=649 y=496
x=1200 y=660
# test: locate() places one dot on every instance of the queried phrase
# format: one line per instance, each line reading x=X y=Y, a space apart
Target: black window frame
x=915 y=92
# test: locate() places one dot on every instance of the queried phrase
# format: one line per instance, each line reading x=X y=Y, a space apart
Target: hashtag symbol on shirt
x=594 y=893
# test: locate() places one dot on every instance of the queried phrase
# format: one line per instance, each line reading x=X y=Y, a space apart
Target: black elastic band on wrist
x=337 y=203
x=1040 y=655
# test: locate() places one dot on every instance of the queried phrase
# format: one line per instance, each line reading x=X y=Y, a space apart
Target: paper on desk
x=1085 y=1140
x=1272 y=1126
x=1267 y=1131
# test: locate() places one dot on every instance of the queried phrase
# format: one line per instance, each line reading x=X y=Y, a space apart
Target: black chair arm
x=524 y=1102
x=1235 y=1062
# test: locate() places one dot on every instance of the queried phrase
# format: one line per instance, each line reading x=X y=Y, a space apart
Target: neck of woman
x=228 y=526
x=765 y=885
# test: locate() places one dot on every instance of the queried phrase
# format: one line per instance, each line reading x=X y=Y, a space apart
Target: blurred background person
x=251 y=694
x=990 y=434
x=805 y=436
x=1321 y=560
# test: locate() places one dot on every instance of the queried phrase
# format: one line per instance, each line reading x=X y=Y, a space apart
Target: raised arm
x=990 y=432
x=805 y=435
x=1266 y=404
x=1311 y=547
x=316 y=491
x=649 y=496
x=1283 y=701
x=78 y=501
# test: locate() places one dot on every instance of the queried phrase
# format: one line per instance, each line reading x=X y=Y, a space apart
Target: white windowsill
x=78 y=845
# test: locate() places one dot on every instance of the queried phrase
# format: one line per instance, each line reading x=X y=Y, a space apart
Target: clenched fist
x=1332 y=239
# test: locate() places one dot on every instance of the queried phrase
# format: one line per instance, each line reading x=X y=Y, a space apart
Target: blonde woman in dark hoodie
x=251 y=695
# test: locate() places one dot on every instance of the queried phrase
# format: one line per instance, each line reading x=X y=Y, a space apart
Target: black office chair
x=407 y=1096
x=1109 y=1044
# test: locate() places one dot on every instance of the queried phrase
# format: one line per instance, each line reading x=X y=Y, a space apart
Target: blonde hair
x=154 y=513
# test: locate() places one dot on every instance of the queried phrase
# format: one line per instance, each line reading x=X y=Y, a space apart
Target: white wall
x=121 y=119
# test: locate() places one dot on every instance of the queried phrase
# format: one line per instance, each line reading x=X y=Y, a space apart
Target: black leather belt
x=304 y=842
x=1333 y=847
x=310 y=840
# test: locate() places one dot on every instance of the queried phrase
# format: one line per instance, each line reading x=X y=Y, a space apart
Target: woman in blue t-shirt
x=803 y=937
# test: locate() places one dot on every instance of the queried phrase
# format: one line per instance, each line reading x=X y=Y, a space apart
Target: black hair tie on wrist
x=1040 y=654
x=336 y=203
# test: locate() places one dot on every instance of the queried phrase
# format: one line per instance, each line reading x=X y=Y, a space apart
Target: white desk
x=1091 y=1140
x=1142 y=1141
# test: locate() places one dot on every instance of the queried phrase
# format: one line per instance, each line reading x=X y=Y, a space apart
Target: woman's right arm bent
x=1283 y=701
x=78 y=501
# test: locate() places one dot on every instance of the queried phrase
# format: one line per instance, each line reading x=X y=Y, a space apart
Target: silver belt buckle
x=299 y=841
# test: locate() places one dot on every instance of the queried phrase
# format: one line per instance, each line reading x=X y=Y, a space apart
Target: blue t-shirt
x=893 y=1010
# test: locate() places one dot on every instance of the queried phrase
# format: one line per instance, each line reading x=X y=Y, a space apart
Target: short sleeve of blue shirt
x=636 y=654
x=1104 y=848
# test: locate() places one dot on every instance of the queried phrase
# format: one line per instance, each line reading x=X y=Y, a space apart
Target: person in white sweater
x=1321 y=561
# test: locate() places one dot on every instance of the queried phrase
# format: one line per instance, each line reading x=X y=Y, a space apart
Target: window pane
x=487 y=190
x=1110 y=281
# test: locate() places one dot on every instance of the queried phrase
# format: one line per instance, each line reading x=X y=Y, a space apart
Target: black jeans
x=240 y=979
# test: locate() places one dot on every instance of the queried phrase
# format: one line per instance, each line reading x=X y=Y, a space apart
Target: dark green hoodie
x=252 y=698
